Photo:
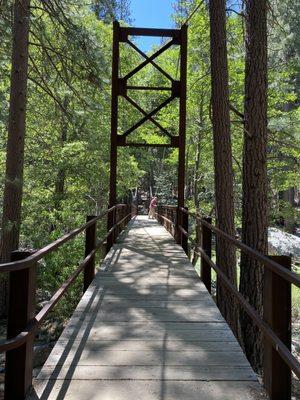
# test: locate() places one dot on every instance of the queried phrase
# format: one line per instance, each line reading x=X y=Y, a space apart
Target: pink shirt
x=153 y=203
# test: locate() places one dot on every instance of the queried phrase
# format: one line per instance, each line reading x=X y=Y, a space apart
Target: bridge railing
x=22 y=323
x=275 y=324
x=172 y=218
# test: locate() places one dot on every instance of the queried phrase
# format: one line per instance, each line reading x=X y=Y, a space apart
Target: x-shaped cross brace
x=174 y=88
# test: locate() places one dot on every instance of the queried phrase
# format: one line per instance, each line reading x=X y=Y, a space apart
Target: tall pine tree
x=254 y=212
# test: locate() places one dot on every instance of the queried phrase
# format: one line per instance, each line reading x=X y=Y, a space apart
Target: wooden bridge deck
x=147 y=329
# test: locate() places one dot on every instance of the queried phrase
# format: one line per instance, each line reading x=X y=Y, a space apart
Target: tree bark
x=59 y=191
x=254 y=213
x=13 y=188
x=225 y=254
x=196 y=182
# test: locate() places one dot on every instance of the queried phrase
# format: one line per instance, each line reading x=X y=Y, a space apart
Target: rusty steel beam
x=148 y=116
x=150 y=60
x=182 y=117
x=177 y=89
x=114 y=119
x=142 y=111
x=132 y=144
x=133 y=31
x=149 y=88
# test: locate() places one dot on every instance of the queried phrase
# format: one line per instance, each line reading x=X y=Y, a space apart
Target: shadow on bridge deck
x=146 y=329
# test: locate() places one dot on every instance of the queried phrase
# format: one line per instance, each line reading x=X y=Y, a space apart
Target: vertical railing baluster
x=122 y=215
x=110 y=223
x=277 y=314
x=185 y=225
x=115 y=220
x=206 y=239
x=90 y=243
x=175 y=221
x=21 y=310
x=177 y=225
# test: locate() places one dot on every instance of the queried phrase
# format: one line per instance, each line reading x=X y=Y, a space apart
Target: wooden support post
x=122 y=215
x=174 y=222
x=21 y=310
x=185 y=225
x=118 y=216
x=110 y=223
x=277 y=314
x=90 y=243
x=206 y=237
x=131 y=209
x=158 y=211
x=178 y=223
x=127 y=212
x=115 y=219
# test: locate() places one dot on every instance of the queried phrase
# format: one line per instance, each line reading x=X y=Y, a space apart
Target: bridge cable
x=189 y=17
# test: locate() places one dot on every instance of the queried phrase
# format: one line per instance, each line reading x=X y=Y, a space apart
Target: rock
x=41 y=353
x=283 y=243
x=42 y=304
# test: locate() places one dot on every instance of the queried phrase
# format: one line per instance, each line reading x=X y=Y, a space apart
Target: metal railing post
x=90 y=243
x=21 y=310
x=206 y=238
x=277 y=314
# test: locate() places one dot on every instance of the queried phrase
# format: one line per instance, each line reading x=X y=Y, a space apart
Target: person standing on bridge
x=153 y=205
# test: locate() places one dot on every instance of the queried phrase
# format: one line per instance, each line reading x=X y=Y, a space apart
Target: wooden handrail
x=38 y=255
x=165 y=218
x=289 y=276
x=280 y=347
x=265 y=325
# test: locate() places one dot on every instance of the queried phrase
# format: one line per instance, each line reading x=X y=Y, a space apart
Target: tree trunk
x=59 y=191
x=13 y=188
x=225 y=256
x=196 y=183
x=254 y=214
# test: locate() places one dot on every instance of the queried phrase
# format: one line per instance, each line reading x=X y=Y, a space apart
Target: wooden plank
x=125 y=372
x=115 y=302
x=147 y=390
x=147 y=345
x=100 y=332
x=92 y=355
